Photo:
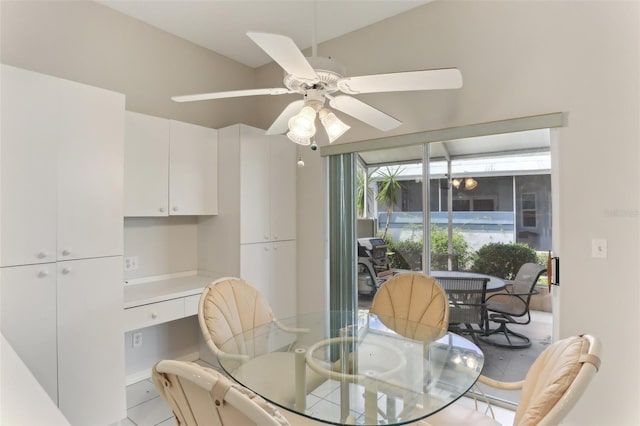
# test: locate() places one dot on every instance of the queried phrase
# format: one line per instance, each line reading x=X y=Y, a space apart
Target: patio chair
x=466 y=302
x=554 y=383
x=513 y=308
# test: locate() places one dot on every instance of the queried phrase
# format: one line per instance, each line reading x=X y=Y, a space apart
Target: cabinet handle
x=275 y=237
x=43 y=274
x=42 y=255
x=161 y=209
x=154 y=315
x=66 y=252
x=266 y=237
x=66 y=271
x=175 y=208
x=266 y=249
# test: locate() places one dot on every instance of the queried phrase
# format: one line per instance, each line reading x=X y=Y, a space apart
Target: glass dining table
x=353 y=368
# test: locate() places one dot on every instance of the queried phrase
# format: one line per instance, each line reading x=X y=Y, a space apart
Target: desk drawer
x=191 y=305
x=152 y=314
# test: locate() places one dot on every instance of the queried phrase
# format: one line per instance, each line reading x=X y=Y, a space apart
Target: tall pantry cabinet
x=61 y=239
x=254 y=234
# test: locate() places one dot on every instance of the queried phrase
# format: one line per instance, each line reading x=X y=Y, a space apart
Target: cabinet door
x=29 y=132
x=256 y=267
x=28 y=319
x=90 y=341
x=90 y=171
x=255 y=214
x=193 y=170
x=146 y=165
x=283 y=279
x=282 y=178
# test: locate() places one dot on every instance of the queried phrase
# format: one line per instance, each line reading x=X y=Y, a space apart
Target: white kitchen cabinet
x=253 y=237
x=61 y=171
x=28 y=318
x=193 y=171
x=90 y=342
x=146 y=165
x=61 y=236
x=170 y=167
x=267 y=187
x=28 y=167
x=270 y=267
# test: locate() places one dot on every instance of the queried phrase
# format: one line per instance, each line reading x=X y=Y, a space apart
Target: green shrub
x=407 y=254
x=503 y=260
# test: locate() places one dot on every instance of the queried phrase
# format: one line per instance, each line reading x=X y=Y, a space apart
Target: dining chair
x=231 y=306
x=202 y=396
x=411 y=299
x=554 y=383
x=513 y=308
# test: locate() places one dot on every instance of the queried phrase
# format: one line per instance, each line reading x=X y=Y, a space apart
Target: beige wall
x=520 y=59
x=517 y=58
x=93 y=44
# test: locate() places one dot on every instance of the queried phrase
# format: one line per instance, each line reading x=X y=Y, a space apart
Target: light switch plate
x=599 y=248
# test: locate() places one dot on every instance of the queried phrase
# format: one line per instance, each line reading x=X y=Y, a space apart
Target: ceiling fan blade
x=363 y=112
x=281 y=124
x=446 y=78
x=285 y=53
x=231 y=94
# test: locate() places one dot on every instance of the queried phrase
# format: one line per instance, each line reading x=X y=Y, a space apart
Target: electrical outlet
x=137 y=340
x=130 y=263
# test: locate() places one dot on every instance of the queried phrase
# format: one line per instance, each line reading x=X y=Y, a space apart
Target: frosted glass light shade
x=301 y=140
x=332 y=125
x=302 y=124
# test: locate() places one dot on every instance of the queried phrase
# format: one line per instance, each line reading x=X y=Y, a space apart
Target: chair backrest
x=229 y=306
x=466 y=298
x=409 y=299
x=202 y=396
x=557 y=379
x=524 y=283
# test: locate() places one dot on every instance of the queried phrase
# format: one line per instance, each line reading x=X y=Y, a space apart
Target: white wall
x=521 y=59
x=518 y=58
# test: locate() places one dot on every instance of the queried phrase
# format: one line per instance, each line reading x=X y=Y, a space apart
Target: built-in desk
x=155 y=300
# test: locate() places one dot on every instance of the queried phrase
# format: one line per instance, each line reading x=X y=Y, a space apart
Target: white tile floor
x=145 y=407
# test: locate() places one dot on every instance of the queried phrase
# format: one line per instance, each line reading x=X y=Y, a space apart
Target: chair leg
x=521 y=341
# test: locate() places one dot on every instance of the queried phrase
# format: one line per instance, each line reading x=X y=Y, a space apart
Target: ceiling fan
x=319 y=80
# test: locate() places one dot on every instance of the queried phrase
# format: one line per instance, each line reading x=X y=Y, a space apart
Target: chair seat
x=456 y=415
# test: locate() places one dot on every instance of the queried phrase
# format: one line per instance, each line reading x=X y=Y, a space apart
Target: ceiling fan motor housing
x=328 y=71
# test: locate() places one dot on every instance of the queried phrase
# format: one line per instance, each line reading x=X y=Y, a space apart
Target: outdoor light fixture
x=469 y=183
x=302 y=125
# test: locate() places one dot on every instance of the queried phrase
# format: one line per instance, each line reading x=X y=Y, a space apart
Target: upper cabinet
x=61 y=169
x=146 y=165
x=170 y=167
x=193 y=169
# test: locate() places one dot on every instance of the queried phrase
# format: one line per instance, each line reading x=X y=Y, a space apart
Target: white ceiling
x=221 y=25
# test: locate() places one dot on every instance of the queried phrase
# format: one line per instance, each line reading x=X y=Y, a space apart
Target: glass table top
x=350 y=368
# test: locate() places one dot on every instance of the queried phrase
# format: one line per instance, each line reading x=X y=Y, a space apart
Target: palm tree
x=361 y=195
x=388 y=193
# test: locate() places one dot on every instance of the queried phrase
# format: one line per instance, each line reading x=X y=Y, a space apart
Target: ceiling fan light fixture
x=300 y=140
x=303 y=123
x=456 y=182
x=332 y=124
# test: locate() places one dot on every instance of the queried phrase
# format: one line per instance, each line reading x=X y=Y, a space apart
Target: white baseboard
x=146 y=373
